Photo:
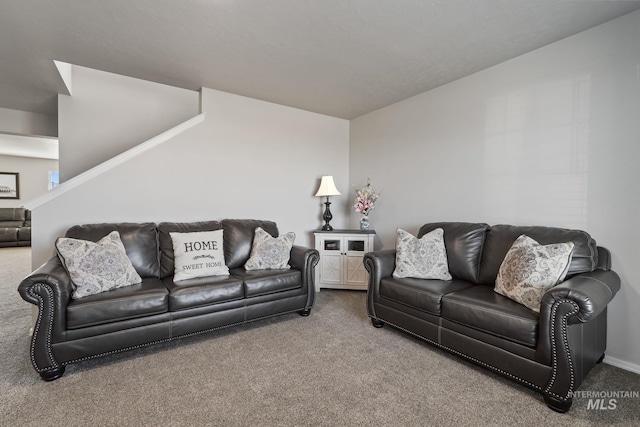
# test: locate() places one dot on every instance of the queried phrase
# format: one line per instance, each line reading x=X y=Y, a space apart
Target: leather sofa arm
x=590 y=291
x=379 y=264
x=49 y=287
x=53 y=275
x=305 y=260
x=580 y=299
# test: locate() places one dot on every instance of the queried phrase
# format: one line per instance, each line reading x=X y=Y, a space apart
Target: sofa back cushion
x=238 y=238
x=12 y=217
x=464 y=243
x=501 y=237
x=167 y=265
x=140 y=241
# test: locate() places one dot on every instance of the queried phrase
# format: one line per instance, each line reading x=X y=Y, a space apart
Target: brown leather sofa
x=159 y=309
x=15 y=227
x=550 y=352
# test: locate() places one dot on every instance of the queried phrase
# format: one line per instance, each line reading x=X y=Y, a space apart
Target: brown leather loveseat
x=551 y=351
x=158 y=309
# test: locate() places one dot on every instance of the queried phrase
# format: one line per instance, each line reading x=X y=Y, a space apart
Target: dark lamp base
x=327 y=216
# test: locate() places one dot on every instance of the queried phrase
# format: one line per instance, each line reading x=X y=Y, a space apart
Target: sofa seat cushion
x=262 y=282
x=140 y=300
x=421 y=294
x=479 y=307
x=8 y=234
x=24 y=234
x=201 y=291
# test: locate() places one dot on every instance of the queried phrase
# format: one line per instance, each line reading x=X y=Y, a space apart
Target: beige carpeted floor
x=329 y=369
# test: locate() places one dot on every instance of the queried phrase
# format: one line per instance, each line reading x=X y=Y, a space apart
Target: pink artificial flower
x=365 y=199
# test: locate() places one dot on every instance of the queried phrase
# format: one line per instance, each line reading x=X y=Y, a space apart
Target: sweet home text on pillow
x=198 y=254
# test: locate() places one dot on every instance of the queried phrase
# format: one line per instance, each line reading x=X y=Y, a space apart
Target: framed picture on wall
x=9 y=185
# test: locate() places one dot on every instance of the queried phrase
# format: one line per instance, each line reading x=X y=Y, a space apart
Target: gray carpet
x=331 y=368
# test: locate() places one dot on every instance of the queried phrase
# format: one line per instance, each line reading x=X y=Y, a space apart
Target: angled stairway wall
x=109 y=113
x=245 y=159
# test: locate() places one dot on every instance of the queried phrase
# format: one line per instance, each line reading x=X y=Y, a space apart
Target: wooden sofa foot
x=377 y=323
x=557 y=405
x=52 y=374
x=305 y=312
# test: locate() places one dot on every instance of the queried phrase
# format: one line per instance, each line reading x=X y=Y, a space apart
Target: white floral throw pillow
x=529 y=269
x=270 y=253
x=424 y=258
x=96 y=267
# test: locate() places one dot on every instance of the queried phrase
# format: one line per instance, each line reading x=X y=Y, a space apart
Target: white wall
x=34 y=172
x=248 y=159
x=549 y=138
x=27 y=123
x=33 y=178
x=109 y=114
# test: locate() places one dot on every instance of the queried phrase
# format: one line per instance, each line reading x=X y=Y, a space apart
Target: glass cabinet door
x=354 y=271
x=356 y=246
x=331 y=245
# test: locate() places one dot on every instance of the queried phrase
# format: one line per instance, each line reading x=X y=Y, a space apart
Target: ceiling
x=343 y=58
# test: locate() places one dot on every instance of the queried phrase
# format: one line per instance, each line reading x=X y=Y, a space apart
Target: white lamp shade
x=327 y=187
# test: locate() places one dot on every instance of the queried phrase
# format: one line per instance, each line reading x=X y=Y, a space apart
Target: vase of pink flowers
x=365 y=202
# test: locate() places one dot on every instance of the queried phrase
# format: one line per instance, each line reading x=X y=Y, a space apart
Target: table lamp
x=327 y=188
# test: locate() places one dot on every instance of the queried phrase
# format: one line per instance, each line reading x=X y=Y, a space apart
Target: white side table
x=341 y=253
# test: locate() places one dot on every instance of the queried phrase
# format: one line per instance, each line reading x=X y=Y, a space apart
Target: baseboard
x=631 y=367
